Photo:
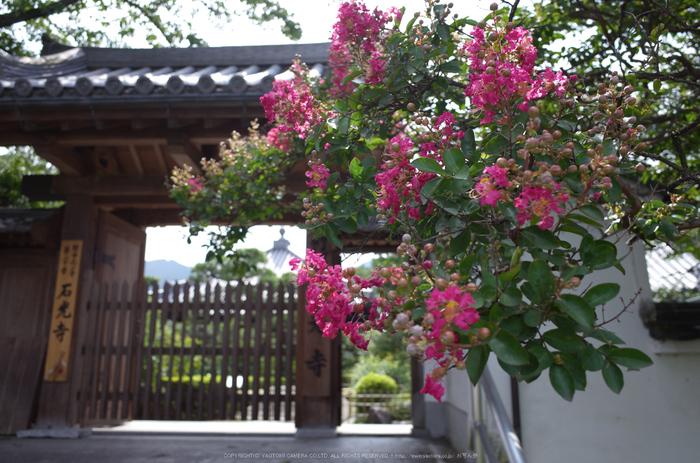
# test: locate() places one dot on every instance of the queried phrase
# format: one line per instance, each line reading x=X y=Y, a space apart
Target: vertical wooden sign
x=64 y=310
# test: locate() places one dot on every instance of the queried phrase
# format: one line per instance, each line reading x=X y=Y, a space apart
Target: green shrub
x=399 y=369
x=376 y=383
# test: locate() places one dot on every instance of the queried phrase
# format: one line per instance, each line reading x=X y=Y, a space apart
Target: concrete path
x=170 y=444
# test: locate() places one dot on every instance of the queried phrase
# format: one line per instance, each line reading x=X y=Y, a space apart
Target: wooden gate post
x=55 y=401
x=318 y=392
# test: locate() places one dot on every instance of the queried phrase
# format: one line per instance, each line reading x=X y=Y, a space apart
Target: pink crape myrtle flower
x=490 y=188
x=295 y=106
x=450 y=306
x=195 y=184
x=329 y=300
x=358 y=34
x=540 y=202
x=499 y=77
x=317 y=176
x=433 y=387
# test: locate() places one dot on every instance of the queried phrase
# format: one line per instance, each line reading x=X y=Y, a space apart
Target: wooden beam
x=136 y=159
x=184 y=152
x=159 y=157
x=66 y=159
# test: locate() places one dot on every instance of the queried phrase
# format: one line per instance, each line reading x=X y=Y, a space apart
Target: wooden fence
x=187 y=352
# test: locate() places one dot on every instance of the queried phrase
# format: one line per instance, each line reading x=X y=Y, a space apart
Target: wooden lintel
x=229 y=110
x=60 y=186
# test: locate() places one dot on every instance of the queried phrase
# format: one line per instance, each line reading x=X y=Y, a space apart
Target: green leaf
x=511 y=297
x=426 y=192
x=592 y=212
x=356 y=169
x=443 y=31
x=591 y=359
x=613 y=377
x=348 y=225
x=510 y=274
x=459 y=243
x=630 y=358
x=578 y=308
x=541 y=279
x=559 y=341
x=350 y=76
x=468 y=143
x=541 y=239
x=331 y=232
x=476 y=362
x=605 y=336
x=453 y=159
x=600 y=294
x=508 y=349
x=427 y=165
x=495 y=145
x=562 y=381
x=344 y=125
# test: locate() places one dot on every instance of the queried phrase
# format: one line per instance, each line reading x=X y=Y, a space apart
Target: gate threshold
x=241 y=428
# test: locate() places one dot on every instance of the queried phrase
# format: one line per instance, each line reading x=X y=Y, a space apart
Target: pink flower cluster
x=195 y=184
x=279 y=139
x=445 y=309
x=540 y=202
x=317 y=176
x=502 y=75
x=488 y=187
x=293 y=103
x=357 y=34
x=399 y=183
x=333 y=303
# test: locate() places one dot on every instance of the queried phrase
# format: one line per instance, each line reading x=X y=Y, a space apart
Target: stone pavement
x=139 y=442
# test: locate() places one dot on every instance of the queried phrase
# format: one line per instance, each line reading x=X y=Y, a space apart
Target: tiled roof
x=82 y=74
x=672 y=272
x=23 y=220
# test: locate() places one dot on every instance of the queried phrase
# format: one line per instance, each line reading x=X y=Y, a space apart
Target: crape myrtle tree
x=509 y=185
x=90 y=22
x=654 y=44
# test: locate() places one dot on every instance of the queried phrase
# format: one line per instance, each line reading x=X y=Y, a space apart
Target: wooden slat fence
x=187 y=352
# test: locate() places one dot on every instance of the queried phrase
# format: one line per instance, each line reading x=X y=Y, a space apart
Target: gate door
x=189 y=352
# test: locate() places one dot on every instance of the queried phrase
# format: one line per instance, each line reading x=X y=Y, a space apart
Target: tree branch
x=46 y=10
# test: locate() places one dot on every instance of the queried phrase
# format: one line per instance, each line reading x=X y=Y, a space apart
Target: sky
x=170 y=243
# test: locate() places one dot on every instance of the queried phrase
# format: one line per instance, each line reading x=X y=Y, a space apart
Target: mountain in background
x=166 y=270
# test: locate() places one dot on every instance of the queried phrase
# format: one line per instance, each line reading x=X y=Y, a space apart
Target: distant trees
x=112 y=22
x=244 y=264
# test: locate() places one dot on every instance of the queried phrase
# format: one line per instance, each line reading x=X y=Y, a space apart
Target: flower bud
x=484 y=333
x=447 y=338
x=533 y=112
x=406 y=238
x=628 y=89
x=471 y=288
x=395 y=147
x=392 y=295
x=441 y=284
x=640 y=168
x=502 y=162
x=411 y=107
x=493 y=6
x=416 y=280
x=428 y=248
x=412 y=349
x=449 y=264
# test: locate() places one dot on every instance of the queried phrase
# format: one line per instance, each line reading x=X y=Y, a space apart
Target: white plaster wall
x=656 y=417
